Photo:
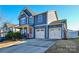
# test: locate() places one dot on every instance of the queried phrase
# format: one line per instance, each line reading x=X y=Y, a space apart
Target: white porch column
x=27 y=24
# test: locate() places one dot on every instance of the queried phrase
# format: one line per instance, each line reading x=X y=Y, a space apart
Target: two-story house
x=43 y=25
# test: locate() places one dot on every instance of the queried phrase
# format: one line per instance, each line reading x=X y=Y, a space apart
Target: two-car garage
x=53 y=33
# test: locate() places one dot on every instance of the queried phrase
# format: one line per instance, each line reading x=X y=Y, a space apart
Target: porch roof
x=10 y=25
x=58 y=22
x=23 y=26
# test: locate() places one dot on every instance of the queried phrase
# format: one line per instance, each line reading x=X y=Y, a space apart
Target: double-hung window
x=30 y=20
x=40 y=18
x=23 y=21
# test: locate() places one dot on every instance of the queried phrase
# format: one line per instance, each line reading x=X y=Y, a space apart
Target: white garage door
x=55 y=33
x=40 y=33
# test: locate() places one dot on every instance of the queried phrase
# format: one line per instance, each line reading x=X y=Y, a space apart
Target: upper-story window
x=40 y=18
x=30 y=20
x=23 y=21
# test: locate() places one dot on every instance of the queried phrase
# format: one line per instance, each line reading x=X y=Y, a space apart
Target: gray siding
x=40 y=21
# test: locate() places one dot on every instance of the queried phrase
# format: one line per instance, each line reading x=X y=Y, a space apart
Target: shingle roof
x=10 y=25
x=33 y=13
x=22 y=12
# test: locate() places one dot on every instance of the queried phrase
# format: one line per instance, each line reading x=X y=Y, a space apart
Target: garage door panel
x=40 y=33
x=55 y=33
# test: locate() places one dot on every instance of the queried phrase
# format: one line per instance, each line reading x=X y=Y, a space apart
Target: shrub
x=13 y=35
x=17 y=35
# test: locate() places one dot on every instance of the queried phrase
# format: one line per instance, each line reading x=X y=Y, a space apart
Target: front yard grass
x=77 y=41
x=65 y=46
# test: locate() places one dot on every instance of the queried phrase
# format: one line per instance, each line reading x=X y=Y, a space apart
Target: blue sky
x=69 y=12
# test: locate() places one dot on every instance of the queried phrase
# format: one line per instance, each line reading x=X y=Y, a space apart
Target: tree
x=9 y=36
x=3 y=22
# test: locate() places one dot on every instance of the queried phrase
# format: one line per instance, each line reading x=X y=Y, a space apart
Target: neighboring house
x=1 y=33
x=6 y=28
x=11 y=27
x=43 y=25
x=72 y=34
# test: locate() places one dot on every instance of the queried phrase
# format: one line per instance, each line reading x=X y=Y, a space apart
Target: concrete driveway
x=30 y=46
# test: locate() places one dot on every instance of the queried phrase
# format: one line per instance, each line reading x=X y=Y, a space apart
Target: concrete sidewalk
x=9 y=43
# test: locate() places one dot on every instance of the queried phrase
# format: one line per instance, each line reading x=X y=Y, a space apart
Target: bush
x=13 y=35
x=17 y=35
x=9 y=35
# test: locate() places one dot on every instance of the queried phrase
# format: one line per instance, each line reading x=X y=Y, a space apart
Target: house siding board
x=62 y=32
x=43 y=21
x=64 y=29
x=51 y=16
x=36 y=27
x=34 y=33
x=47 y=33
